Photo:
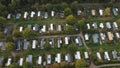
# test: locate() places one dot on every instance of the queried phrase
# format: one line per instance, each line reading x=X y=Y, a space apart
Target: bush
x=67 y=11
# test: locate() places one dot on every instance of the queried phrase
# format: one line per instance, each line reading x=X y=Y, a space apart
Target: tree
x=14 y=65
x=80 y=23
x=64 y=65
x=2 y=22
x=2 y=36
x=67 y=11
x=9 y=46
x=81 y=63
x=27 y=65
x=55 y=65
x=74 y=6
x=71 y=20
x=36 y=6
x=29 y=33
x=48 y=6
x=106 y=12
x=17 y=33
x=118 y=21
x=64 y=5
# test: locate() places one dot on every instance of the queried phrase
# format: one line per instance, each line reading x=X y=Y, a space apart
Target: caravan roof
x=101 y=25
x=117 y=35
x=48 y=59
x=106 y=56
x=86 y=55
x=77 y=55
x=52 y=13
x=88 y=26
x=26 y=43
x=93 y=11
x=21 y=61
x=115 y=26
x=34 y=43
x=103 y=36
x=39 y=13
x=39 y=62
x=99 y=55
x=29 y=58
x=21 y=29
x=110 y=35
x=95 y=38
x=9 y=61
x=101 y=12
x=86 y=36
x=67 y=40
x=32 y=14
x=79 y=12
x=108 y=25
x=68 y=57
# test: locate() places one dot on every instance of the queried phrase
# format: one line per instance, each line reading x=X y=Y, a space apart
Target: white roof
x=59 y=28
x=21 y=62
x=32 y=14
x=34 y=44
x=79 y=12
x=39 y=60
x=39 y=13
x=93 y=12
x=8 y=62
x=103 y=36
x=52 y=13
x=86 y=37
x=66 y=40
x=44 y=28
x=78 y=55
x=108 y=25
x=101 y=12
x=86 y=55
x=21 y=28
x=46 y=15
x=106 y=56
x=58 y=58
x=51 y=27
x=99 y=55
x=88 y=26
x=48 y=59
x=9 y=16
x=25 y=14
x=101 y=25
x=117 y=35
x=115 y=24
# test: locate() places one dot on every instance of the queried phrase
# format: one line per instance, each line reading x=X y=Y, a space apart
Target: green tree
x=64 y=5
x=48 y=6
x=14 y=65
x=36 y=6
x=27 y=65
x=71 y=20
x=80 y=23
x=2 y=36
x=55 y=65
x=9 y=46
x=106 y=12
x=67 y=11
x=118 y=21
x=81 y=63
x=28 y=33
x=2 y=22
x=17 y=33
x=74 y=6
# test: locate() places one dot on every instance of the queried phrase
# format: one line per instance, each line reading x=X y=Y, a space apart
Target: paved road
x=107 y=65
